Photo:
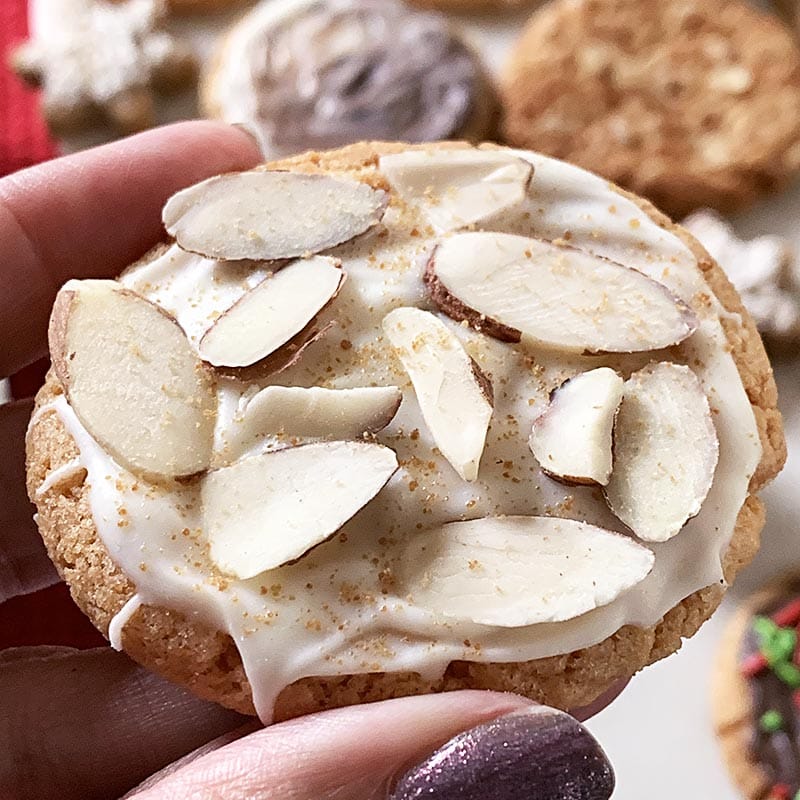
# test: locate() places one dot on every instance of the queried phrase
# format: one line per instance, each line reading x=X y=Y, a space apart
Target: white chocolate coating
x=336 y=611
x=307 y=74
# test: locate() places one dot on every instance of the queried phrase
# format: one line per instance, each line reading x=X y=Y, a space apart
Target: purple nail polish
x=536 y=754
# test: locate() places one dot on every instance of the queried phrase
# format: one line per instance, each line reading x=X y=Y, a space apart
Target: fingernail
x=255 y=133
x=535 y=754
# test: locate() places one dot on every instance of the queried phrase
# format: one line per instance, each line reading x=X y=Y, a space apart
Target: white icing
x=327 y=614
x=58 y=475
x=90 y=52
x=120 y=620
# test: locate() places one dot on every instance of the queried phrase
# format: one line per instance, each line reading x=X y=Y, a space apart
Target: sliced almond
x=269 y=215
x=517 y=571
x=458 y=188
x=572 y=438
x=516 y=288
x=270 y=509
x=313 y=413
x=133 y=379
x=453 y=394
x=272 y=313
x=665 y=452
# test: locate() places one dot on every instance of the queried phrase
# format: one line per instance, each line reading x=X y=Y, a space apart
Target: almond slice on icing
x=572 y=438
x=133 y=379
x=270 y=215
x=520 y=289
x=453 y=394
x=665 y=452
x=459 y=187
x=517 y=571
x=267 y=510
x=344 y=414
x=272 y=313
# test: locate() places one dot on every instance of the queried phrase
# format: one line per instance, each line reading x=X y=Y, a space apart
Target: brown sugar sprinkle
x=143 y=566
x=414 y=435
x=412 y=486
x=345 y=344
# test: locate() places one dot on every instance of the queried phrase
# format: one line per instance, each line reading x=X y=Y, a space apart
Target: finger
x=510 y=749
x=91 y=724
x=605 y=699
x=24 y=565
x=90 y=214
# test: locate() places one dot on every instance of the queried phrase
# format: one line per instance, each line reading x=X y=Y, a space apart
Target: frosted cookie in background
x=764 y=271
x=790 y=11
x=309 y=74
x=489 y=6
x=418 y=336
x=756 y=693
x=690 y=103
x=101 y=61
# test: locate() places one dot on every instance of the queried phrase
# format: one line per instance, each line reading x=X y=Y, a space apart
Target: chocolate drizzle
x=776 y=747
x=340 y=72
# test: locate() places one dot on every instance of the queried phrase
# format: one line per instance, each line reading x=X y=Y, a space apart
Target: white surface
x=658 y=733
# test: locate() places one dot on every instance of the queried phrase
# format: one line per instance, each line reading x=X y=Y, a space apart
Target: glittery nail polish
x=535 y=754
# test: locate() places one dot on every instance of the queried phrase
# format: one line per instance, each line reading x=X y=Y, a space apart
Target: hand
x=91 y=724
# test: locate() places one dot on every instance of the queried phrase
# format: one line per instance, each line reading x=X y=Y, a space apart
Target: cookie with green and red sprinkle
x=757 y=694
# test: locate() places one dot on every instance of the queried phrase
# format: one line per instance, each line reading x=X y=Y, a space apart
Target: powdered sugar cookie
x=756 y=691
x=764 y=271
x=690 y=103
x=317 y=464
x=95 y=60
x=320 y=73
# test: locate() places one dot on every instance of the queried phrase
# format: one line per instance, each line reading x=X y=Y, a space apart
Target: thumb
x=465 y=745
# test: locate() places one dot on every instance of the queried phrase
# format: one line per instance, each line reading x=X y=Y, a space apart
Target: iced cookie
x=764 y=271
x=474 y=5
x=349 y=436
x=323 y=73
x=99 y=60
x=757 y=694
x=690 y=103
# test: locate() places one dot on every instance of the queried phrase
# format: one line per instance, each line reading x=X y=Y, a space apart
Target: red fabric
x=24 y=139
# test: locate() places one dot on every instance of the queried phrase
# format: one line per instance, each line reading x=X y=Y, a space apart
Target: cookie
x=764 y=271
x=757 y=691
x=391 y=422
x=99 y=61
x=474 y=5
x=310 y=74
x=691 y=104
x=790 y=11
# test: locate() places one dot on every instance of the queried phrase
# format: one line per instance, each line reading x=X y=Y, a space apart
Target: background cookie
x=474 y=5
x=764 y=271
x=97 y=60
x=209 y=662
x=756 y=690
x=690 y=103
x=396 y=75
x=790 y=11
